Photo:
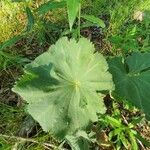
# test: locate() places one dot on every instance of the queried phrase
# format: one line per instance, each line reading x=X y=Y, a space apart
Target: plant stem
x=79 y=20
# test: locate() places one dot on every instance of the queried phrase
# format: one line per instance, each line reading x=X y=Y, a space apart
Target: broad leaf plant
x=60 y=86
x=132 y=79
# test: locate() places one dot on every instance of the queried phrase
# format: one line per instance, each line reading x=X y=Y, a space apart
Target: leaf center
x=77 y=84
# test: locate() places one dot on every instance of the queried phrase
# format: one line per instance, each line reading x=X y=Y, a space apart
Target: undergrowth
x=117 y=28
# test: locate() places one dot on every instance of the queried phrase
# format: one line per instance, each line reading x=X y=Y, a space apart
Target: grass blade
x=95 y=20
x=30 y=19
x=73 y=7
x=44 y=8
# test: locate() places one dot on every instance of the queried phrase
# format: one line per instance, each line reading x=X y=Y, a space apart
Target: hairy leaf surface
x=60 y=86
x=132 y=79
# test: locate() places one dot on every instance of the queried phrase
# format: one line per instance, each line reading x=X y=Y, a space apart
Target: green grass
x=11 y=123
x=11 y=118
x=124 y=32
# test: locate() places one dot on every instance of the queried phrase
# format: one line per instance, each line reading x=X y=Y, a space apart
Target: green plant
x=125 y=32
x=120 y=126
x=121 y=133
x=121 y=12
x=132 y=37
x=62 y=94
x=126 y=42
x=63 y=87
x=131 y=78
x=74 y=11
x=80 y=141
x=6 y=58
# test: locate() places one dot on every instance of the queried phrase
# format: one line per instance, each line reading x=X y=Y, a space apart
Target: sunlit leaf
x=73 y=7
x=60 y=86
x=95 y=20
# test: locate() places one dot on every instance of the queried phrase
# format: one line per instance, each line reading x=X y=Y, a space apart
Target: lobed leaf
x=132 y=79
x=60 y=86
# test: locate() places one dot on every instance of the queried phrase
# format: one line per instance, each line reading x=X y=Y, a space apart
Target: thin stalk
x=79 y=20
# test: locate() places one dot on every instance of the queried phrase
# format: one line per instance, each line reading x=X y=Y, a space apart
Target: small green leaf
x=132 y=138
x=30 y=19
x=132 y=79
x=114 y=122
x=51 y=5
x=124 y=140
x=73 y=7
x=62 y=95
x=94 y=20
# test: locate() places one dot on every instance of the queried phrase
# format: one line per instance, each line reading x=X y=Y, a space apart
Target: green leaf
x=132 y=79
x=114 y=122
x=80 y=141
x=30 y=19
x=51 y=5
x=73 y=7
x=95 y=20
x=124 y=140
x=132 y=138
x=9 y=59
x=4 y=144
x=10 y=42
x=60 y=86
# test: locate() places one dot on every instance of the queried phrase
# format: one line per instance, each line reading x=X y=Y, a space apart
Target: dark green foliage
x=30 y=19
x=51 y=5
x=132 y=79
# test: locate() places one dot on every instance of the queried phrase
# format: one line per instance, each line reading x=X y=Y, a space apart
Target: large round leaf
x=132 y=79
x=60 y=86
